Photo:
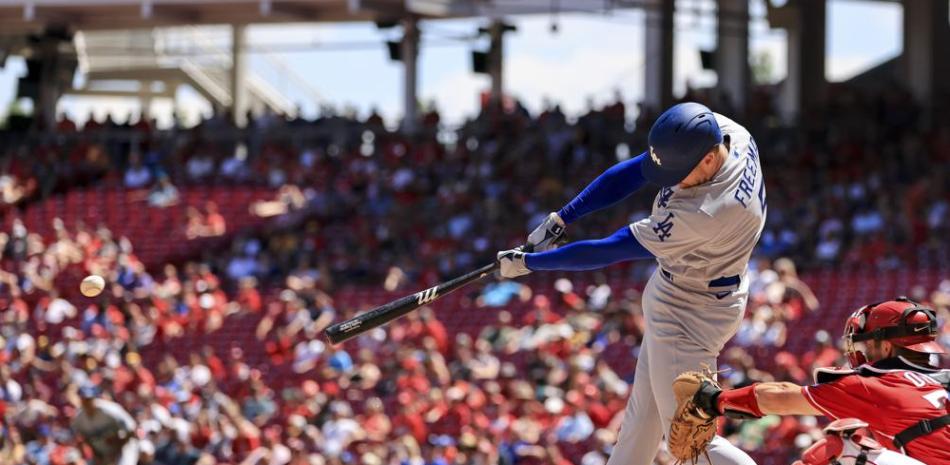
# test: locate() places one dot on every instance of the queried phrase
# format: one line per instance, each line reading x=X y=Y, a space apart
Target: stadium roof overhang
x=19 y=16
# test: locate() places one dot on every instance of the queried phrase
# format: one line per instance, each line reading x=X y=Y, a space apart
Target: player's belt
x=718 y=284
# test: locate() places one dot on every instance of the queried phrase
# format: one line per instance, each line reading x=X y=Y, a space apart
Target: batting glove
x=511 y=263
x=545 y=236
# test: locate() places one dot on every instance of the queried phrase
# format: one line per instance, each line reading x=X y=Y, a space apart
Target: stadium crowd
x=862 y=182
x=358 y=204
x=536 y=388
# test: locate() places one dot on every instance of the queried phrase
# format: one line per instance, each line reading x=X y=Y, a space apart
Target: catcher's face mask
x=855 y=353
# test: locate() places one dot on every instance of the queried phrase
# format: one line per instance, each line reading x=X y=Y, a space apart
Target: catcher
x=891 y=386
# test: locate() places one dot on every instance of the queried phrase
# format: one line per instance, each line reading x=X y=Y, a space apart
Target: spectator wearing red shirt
x=375 y=422
x=410 y=418
x=541 y=313
x=214 y=221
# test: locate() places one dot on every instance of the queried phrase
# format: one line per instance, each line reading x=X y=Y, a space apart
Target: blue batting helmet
x=678 y=140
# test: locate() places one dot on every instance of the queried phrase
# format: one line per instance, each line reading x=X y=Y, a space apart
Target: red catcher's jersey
x=890 y=396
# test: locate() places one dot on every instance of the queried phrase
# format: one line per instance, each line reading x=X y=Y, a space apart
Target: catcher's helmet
x=678 y=140
x=901 y=322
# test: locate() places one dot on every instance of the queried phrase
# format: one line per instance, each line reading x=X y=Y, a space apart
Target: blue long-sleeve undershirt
x=590 y=255
x=610 y=187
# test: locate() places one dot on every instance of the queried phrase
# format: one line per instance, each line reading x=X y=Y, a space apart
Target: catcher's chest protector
x=857 y=450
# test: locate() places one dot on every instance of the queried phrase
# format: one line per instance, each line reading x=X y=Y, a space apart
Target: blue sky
x=589 y=59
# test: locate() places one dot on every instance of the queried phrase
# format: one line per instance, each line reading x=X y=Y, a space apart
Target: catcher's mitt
x=693 y=426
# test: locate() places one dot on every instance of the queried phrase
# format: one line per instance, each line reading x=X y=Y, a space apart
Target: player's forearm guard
x=739 y=403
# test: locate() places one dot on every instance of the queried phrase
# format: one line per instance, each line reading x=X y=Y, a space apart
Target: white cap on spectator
x=563 y=285
x=454 y=393
x=57 y=349
x=206 y=301
x=280 y=455
x=200 y=375
x=297 y=421
x=554 y=405
x=112 y=359
x=25 y=342
x=599 y=296
x=584 y=362
x=593 y=459
x=341 y=408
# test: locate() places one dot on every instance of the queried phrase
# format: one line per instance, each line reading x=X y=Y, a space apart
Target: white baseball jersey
x=99 y=427
x=706 y=232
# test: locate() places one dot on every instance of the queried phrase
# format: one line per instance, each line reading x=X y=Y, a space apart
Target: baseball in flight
x=92 y=285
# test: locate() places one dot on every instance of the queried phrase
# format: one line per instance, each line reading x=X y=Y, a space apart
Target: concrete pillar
x=50 y=88
x=732 y=52
x=942 y=58
x=791 y=88
x=238 y=75
x=145 y=98
x=813 y=52
x=496 y=58
x=805 y=84
x=658 y=69
x=410 y=55
x=924 y=62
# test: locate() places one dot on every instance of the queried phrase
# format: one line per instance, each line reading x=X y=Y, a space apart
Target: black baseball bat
x=383 y=314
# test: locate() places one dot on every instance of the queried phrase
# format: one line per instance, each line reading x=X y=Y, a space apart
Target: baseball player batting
x=892 y=387
x=705 y=221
